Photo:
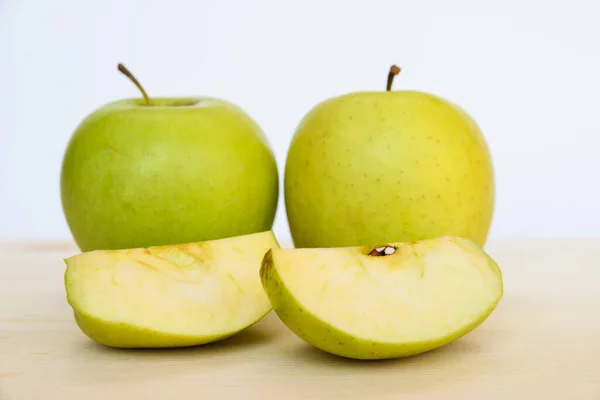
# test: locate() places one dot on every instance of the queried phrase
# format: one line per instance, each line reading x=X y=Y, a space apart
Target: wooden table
x=542 y=342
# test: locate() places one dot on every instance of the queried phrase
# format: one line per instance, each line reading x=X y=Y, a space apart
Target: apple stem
x=128 y=74
x=394 y=70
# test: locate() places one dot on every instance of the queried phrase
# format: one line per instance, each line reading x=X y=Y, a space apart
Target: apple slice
x=391 y=301
x=170 y=295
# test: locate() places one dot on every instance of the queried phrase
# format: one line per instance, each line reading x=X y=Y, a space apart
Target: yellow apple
x=381 y=166
x=169 y=295
x=388 y=301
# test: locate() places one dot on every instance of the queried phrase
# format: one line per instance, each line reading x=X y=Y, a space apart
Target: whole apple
x=387 y=166
x=147 y=172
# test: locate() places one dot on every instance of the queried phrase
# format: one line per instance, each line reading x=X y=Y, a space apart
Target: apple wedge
x=170 y=295
x=389 y=301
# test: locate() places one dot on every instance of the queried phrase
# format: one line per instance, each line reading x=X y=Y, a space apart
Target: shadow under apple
x=144 y=363
x=313 y=356
x=429 y=372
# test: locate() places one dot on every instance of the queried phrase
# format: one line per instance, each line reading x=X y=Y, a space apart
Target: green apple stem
x=128 y=74
x=394 y=70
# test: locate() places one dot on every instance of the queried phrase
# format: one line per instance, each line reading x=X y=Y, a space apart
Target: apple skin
x=176 y=171
x=375 y=167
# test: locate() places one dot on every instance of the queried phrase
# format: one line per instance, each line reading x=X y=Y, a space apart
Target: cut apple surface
x=171 y=295
x=389 y=301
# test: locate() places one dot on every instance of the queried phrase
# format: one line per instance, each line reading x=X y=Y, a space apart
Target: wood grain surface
x=542 y=342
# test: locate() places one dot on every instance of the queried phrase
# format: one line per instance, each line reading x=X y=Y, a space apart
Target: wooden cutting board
x=542 y=342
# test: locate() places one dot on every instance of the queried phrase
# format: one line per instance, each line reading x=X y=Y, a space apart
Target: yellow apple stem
x=128 y=74
x=394 y=70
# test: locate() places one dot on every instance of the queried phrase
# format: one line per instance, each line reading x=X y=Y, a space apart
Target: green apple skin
x=481 y=293
x=176 y=171
x=169 y=296
x=374 y=167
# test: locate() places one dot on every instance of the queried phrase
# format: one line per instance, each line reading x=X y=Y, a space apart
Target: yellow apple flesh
x=347 y=302
x=170 y=295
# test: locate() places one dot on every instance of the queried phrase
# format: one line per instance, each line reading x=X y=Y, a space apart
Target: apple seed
x=382 y=251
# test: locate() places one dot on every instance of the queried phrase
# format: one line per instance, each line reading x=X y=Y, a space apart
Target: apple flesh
x=392 y=301
x=176 y=170
x=387 y=166
x=171 y=295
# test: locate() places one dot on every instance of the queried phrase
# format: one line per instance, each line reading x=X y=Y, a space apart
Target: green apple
x=169 y=295
x=380 y=166
x=142 y=172
x=389 y=301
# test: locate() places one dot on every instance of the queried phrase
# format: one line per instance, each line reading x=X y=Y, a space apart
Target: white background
x=527 y=71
